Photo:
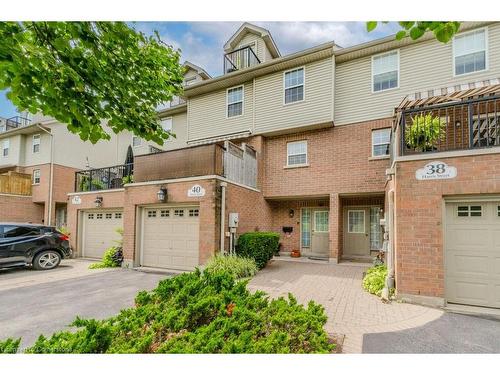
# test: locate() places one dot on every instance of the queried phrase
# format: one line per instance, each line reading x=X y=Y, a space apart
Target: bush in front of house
x=236 y=266
x=197 y=312
x=260 y=246
x=9 y=346
x=113 y=256
x=374 y=280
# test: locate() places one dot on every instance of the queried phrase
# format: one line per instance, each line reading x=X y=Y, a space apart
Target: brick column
x=335 y=227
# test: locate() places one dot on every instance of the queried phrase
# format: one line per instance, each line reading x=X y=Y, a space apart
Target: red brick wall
x=419 y=221
x=20 y=209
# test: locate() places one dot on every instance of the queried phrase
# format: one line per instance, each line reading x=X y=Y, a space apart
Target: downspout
x=223 y=216
x=51 y=178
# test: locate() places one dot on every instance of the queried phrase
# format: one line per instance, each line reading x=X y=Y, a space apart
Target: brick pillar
x=129 y=232
x=335 y=227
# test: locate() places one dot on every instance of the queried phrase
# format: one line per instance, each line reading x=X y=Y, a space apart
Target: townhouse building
x=388 y=145
x=39 y=159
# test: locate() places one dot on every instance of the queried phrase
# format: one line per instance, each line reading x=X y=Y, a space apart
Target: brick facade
x=16 y=208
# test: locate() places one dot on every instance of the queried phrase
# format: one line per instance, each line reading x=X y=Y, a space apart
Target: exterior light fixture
x=291 y=212
x=98 y=201
x=162 y=194
x=458 y=123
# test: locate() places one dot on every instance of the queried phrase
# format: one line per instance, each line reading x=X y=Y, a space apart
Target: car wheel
x=46 y=260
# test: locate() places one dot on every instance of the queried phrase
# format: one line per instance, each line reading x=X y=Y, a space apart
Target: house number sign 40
x=436 y=170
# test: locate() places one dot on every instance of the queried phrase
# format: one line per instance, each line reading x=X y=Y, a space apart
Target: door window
x=356 y=221
x=321 y=221
x=305 y=227
x=375 y=229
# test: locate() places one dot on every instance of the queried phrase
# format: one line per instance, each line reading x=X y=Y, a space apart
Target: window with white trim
x=385 y=71
x=118 y=215
x=6 y=147
x=356 y=221
x=151 y=213
x=136 y=141
x=166 y=124
x=470 y=211
x=294 y=85
x=296 y=153
x=98 y=216
x=109 y=215
x=470 y=52
x=36 y=143
x=235 y=101
x=36 y=176
x=381 y=139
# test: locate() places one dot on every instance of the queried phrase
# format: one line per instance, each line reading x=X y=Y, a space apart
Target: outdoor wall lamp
x=291 y=212
x=457 y=123
x=98 y=201
x=162 y=194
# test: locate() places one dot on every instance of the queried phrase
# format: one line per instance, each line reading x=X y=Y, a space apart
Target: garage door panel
x=99 y=232
x=472 y=253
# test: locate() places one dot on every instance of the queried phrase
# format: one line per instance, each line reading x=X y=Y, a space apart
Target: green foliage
x=112 y=257
x=85 y=184
x=237 y=266
x=127 y=179
x=85 y=74
x=374 y=280
x=64 y=230
x=424 y=132
x=9 y=346
x=443 y=30
x=198 y=312
x=260 y=246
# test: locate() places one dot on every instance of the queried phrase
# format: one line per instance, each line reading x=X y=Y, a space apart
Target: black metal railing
x=104 y=178
x=16 y=122
x=468 y=124
x=240 y=59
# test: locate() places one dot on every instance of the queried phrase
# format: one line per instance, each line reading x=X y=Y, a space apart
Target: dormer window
x=235 y=101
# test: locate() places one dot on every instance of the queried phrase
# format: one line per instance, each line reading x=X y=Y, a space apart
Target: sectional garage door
x=170 y=237
x=99 y=231
x=472 y=253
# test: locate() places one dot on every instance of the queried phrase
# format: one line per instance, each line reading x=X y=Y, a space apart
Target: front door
x=357 y=231
x=320 y=233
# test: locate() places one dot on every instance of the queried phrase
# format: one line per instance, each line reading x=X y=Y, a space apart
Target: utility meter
x=233 y=220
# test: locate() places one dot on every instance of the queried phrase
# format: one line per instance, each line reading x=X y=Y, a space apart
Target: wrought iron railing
x=16 y=122
x=240 y=59
x=104 y=178
x=464 y=125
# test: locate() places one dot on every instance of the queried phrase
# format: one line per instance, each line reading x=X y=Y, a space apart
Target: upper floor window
x=166 y=124
x=470 y=52
x=235 y=101
x=297 y=153
x=5 y=147
x=36 y=143
x=36 y=176
x=136 y=141
x=294 y=85
x=385 y=71
x=381 y=139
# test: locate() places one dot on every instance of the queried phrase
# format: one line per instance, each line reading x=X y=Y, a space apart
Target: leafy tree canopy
x=85 y=74
x=443 y=30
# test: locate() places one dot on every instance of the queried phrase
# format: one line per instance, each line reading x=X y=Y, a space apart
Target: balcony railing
x=15 y=122
x=240 y=59
x=103 y=178
x=465 y=125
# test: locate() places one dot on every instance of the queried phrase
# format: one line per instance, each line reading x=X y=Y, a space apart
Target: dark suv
x=41 y=246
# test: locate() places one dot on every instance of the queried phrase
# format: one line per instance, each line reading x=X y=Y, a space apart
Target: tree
x=443 y=30
x=85 y=74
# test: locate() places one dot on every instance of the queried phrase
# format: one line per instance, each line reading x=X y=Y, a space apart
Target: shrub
x=113 y=256
x=9 y=346
x=374 y=280
x=198 y=312
x=237 y=266
x=260 y=246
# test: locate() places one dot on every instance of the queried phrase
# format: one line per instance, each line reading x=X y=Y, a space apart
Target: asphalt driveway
x=48 y=301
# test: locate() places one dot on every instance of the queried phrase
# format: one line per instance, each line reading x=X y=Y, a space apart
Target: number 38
x=436 y=168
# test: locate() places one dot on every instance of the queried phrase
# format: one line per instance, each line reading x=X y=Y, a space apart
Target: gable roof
x=260 y=31
x=199 y=70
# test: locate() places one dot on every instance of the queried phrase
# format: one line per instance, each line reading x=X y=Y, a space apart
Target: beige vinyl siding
x=207 y=114
x=423 y=66
x=16 y=151
x=260 y=47
x=272 y=114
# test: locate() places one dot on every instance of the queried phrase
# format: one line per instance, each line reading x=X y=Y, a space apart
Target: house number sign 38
x=436 y=170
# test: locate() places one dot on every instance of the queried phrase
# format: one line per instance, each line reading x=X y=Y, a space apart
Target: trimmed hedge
x=261 y=246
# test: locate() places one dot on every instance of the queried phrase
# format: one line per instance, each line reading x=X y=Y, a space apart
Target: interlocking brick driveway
x=351 y=311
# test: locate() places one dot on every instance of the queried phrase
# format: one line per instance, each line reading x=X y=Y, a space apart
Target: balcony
x=460 y=125
x=14 y=123
x=240 y=59
x=103 y=178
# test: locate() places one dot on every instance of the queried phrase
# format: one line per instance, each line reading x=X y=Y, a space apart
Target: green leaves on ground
x=199 y=313
x=443 y=30
x=86 y=73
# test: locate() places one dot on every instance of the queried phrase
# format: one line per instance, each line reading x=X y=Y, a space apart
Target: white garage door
x=170 y=237
x=99 y=231
x=472 y=253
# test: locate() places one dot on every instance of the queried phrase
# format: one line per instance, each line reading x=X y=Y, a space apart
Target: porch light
x=291 y=212
x=162 y=194
x=457 y=123
x=98 y=201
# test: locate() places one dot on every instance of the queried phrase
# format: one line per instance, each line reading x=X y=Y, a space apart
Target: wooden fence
x=15 y=183
x=240 y=164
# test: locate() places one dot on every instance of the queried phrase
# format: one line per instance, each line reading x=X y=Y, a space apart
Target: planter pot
x=295 y=254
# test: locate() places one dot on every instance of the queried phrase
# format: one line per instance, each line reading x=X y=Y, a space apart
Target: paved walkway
x=351 y=311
